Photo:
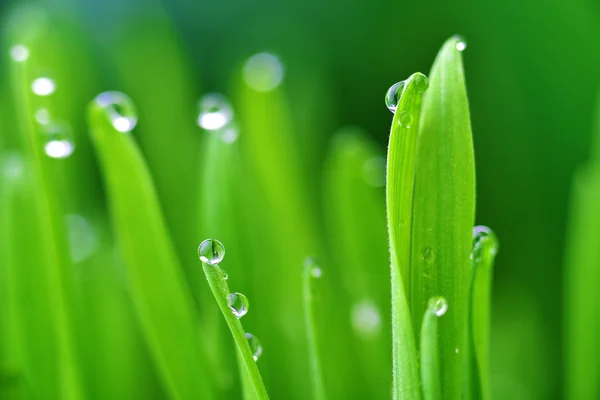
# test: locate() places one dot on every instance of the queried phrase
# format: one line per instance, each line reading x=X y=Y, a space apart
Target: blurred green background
x=532 y=72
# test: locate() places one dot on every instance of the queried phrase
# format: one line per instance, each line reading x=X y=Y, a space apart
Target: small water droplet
x=484 y=240
x=120 y=110
x=229 y=134
x=43 y=86
x=214 y=112
x=42 y=116
x=225 y=274
x=373 y=171
x=313 y=267
x=438 y=305
x=19 y=53
x=255 y=346
x=11 y=165
x=238 y=304
x=58 y=140
x=428 y=255
x=456 y=350
x=421 y=82
x=263 y=72
x=461 y=43
x=366 y=319
x=211 y=251
x=405 y=119
x=393 y=95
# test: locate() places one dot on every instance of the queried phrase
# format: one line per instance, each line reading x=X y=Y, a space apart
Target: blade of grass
x=429 y=349
x=400 y=185
x=220 y=290
x=444 y=211
x=162 y=300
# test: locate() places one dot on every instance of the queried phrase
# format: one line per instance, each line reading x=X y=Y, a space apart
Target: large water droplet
x=238 y=304
x=373 y=171
x=393 y=95
x=263 y=72
x=255 y=346
x=438 y=306
x=58 y=140
x=366 y=320
x=214 y=112
x=43 y=86
x=120 y=110
x=484 y=241
x=19 y=53
x=461 y=43
x=211 y=251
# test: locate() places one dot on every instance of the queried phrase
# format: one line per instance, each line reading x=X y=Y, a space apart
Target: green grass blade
x=582 y=301
x=162 y=300
x=477 y=349
x=220 y=290
x=400 y=184
x=430 y=355
x=310 y=273
x=444 y=210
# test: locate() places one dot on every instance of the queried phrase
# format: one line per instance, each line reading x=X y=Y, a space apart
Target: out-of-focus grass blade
x=429 y=348
x=477 y=347
x=582 y=299
x=359 y=273
x=311 y=272
x=444 y=210
x=400 y=186
x=162 y=300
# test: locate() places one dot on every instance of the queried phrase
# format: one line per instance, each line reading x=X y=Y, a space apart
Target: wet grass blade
x=429 y=349
x=444 y=211
x=400 y=186
x=161 y=297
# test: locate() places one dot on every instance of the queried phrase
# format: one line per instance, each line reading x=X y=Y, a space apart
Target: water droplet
x=82 y=238
x=373 y=171
x=120 y=110
x=484 y=240
x=11 y=165
x=263 y=72
x=225 y=274
x=238 y=304
x=214 y=112
x=211 y=251
x=42 y=116
x=229 y=134
x=43 y=86
x=456 y=350
x=313 y=267
x=19 y=53
x=393 y=95
x=58 y=140
x=405 y=119
x=438 y=306
x=255 y=346
x=366 y=319
x=461 y=43
x=421 y=82
x=428 y=255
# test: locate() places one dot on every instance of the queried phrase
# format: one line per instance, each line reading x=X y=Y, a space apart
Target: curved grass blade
x=312 y=271
x=220 y=290
x=162 y=300
x=400 y=185
x=444 y=210
x=430 y=355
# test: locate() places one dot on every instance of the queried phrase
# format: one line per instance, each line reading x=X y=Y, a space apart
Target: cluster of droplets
x=394 y=95
x=215 y=115
x=211 y=252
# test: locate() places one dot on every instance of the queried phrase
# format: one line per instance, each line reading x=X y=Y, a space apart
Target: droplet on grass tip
x=421 y=82
x=461 y=43
x=263 y=72
x=43 y=86
x=214 y=112
x=393 y=95
x=238 y=304
x=255 y=346
x=58 y=140
x=120 y=110
x=484 y=240
x=211 y=251
x=438 y=306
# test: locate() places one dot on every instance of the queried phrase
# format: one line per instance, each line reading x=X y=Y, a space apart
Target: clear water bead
x=393 y=95
x=211 y=251
x=263 y=72
x=421 y=82
x=428 y=255
x=58 y=140
x=238 y=304
x=461 y=43
x=214 y=112
x=120 y=110
x=43 y=86
x=19 y=53
x=438 y=305
x=405 y=119
x=484 y=241
x=255 y=346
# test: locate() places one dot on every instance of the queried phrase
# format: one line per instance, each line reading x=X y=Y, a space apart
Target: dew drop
x=43 y=86
x=461 y=43
x=313 y=267
x=392 y=97
x=428 y=255
x=405 y=119
x=373 y=171
x=421 y=82
x=366 y=319
x=229 y=134
x=120 y=110
x=255 y=346
x=225 y=274
x=484 y=241
x=214 y=112
x=456 y=350
x=58 y=140
x=211 y=251
x=438 y=305
x=42 y=116
x=19 y=53
x=263 y=72
x=238 y=304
